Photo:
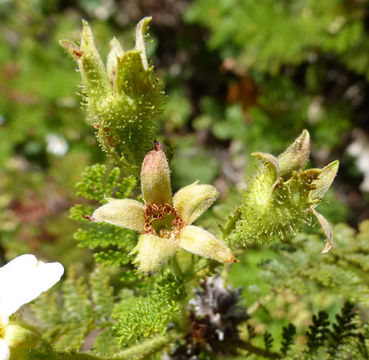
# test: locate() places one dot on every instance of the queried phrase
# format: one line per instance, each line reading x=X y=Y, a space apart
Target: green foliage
x=268 y=341
x=317 y=333
x=146 y=316
x=66 y=322
x=111 y=244
x=284 y=55
x=249 y=33
x=288 y=335
x=97 y=185
x=298 y=264
x=283 y=58
x=342 y=329
x=324 y=339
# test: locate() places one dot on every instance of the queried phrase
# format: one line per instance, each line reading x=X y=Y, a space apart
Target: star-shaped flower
x=22 y=280
x=164 y=222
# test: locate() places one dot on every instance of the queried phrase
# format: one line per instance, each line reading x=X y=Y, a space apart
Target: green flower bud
x=121 y=100
x=281 y=195
x=95 y=80
x=140 y=41
x=21 y=339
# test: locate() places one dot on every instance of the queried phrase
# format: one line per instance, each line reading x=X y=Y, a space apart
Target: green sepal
x=295 y=156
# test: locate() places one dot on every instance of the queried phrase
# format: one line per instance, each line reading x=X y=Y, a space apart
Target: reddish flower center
x=162 y=220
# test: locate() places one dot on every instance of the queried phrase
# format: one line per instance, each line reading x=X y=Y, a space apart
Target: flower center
x=162 y=220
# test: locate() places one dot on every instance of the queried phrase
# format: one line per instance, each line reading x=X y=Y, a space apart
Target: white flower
x=22 y=280
x=56 y=145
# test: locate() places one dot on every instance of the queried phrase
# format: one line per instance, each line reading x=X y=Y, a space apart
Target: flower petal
x=152 y=251
x=198 y=241
x=155 y=180
x=4 y=350
x=192 y=200
x=121 y=212
x=23 y=280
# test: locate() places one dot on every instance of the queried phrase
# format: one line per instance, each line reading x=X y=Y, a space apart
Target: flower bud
x=92 y=69
x=21 y=339
x=155 y=180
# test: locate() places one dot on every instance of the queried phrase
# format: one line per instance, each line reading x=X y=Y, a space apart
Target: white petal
x=23 y=280
x=4 y=350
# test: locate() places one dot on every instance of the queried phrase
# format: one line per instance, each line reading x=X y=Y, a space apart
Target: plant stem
x=135 y=352
x=147 y=347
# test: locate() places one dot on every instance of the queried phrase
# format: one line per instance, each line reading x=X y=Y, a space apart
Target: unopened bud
x=272 y=171
x=21 y=339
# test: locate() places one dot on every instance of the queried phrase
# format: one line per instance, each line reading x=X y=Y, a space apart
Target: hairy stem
x=135 y=352
x=147 y=347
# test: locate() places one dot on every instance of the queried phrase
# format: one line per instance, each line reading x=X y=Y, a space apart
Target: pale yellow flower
x=163 y=221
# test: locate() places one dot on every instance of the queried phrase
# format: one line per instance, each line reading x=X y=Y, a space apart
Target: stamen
x=159 y=212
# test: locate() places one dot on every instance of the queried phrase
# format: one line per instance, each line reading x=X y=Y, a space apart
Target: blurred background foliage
x=240 y=75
